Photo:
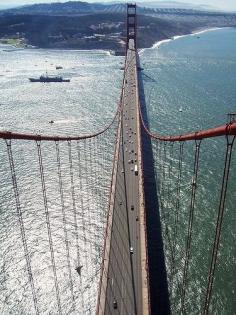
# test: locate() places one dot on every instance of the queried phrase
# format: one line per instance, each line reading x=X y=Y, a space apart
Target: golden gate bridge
x=110 y=188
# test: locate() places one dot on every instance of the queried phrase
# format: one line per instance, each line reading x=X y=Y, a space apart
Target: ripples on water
x=187 y=73
x=197 y=75
x=75 y=106
x=82 y=106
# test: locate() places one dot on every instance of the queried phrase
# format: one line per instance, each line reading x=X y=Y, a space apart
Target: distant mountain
x=82 y=25
x=80 y=8
x=67 y=8
x=176 y=5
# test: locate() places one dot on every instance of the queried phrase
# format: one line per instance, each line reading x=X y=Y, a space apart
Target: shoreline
x=12 y=48
x=204 y=30
x=175 y=37
x=110 y=52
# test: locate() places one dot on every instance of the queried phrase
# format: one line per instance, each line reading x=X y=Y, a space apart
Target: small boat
x=47 y=79
x=59 y=67
x=180 y=109
x=78 y=269
x=51 y=122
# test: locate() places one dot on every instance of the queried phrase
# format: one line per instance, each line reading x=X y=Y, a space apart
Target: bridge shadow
x=157 y=270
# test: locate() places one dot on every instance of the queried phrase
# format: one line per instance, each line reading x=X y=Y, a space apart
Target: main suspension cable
x=223 y=130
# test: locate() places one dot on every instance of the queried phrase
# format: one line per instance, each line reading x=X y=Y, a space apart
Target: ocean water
x=194 y=74
x=94 y=88
x=190 y=84
x=76 y=216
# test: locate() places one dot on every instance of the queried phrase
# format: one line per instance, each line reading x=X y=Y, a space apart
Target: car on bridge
x=115 y=304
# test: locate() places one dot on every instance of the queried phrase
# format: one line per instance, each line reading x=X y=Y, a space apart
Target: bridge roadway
x=125 y=281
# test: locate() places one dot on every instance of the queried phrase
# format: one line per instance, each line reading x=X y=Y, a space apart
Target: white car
x=131 y=250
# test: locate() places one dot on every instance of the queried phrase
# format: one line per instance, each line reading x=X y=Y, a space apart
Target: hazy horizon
x=228 y=5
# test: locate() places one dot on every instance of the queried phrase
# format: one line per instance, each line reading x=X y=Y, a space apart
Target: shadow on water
x=157 y=270
x=147 y=78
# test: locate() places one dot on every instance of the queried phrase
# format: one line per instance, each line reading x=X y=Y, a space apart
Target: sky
x=229 y=5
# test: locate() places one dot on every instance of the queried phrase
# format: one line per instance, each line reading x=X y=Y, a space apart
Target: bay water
x=189 y=83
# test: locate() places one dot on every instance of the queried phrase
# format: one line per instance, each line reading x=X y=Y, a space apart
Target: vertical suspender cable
x=82 y=205
x=164 y=162
x=168 y=201
x=99 y=187
x=161 y=195
x=176 y=221
x=164 y=180
x=91 y=205
x=75 y=217
x=82 y=190
x=45 y=200
x=190 y=224
x=104 y=176
x=21 y=222
x=88 y=221
x=170 y=167
x=155 y=150
x=64 y=221
x=73 y=201
x=93 y=169
x=160 y=170
x=219 y=222
x=96 y=158
x=93 y=197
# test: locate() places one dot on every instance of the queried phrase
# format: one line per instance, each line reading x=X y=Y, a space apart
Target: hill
x=80 y=25
x=80 y=8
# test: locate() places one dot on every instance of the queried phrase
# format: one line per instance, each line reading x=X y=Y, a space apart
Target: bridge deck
x=125 y=279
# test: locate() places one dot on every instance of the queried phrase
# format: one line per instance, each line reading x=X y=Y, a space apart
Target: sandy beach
x=195 y=33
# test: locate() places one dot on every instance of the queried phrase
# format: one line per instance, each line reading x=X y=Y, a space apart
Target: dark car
x=115 y=304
